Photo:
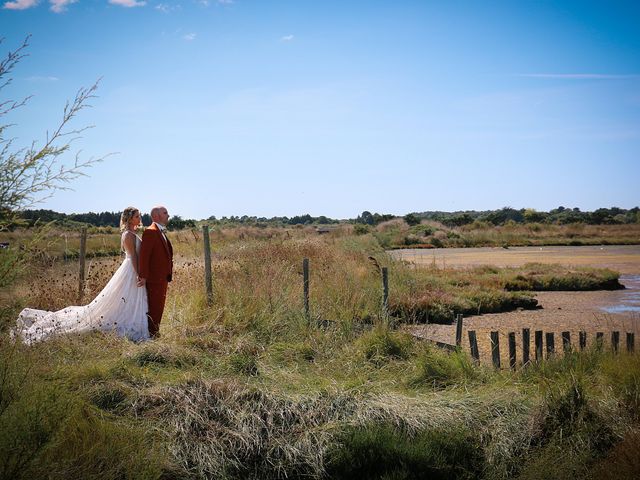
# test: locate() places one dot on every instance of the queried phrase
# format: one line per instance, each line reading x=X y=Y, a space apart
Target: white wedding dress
x=121 y=307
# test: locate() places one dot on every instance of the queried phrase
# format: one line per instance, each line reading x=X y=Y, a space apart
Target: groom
x=156 y=266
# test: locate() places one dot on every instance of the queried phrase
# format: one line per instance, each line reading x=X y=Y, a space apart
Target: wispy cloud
x=38 y=78
x=287 y=38
x=226 y=2
x=60 y=6
x=167 y=8
x=127 y=3
x=189 y=37
x=20 y=4
x=577 y=76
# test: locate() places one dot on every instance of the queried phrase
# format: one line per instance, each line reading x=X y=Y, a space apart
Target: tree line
x=560 y=215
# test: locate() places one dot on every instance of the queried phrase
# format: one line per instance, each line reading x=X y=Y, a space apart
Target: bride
x=121 y=307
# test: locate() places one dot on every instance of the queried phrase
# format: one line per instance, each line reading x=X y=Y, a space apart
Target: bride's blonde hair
x=127 y=214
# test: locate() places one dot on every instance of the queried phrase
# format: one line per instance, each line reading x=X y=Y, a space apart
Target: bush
x=438 y=368
x=382 y=344
x=385 y=452
x=361 y=229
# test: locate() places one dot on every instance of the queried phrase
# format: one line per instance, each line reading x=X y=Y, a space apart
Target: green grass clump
x=439 y=368
x=381 y=451
x=622 y=374
x=539 y=277
x=383 y=344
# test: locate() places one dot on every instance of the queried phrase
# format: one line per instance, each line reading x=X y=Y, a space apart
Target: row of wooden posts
x=539 y=335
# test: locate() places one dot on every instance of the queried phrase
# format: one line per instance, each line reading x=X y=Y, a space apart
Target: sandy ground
x=561 y=311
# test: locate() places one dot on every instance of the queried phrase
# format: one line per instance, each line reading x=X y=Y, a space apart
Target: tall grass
x=247 y=388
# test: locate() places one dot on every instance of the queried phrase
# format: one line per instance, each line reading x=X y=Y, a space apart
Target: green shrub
x=439 y=368
x=244 y=363
x=383 y=344
x=622 y=374
x=361 y=229
x=385 y=452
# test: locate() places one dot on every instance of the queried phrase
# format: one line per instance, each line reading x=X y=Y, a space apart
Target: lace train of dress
x=121 y=307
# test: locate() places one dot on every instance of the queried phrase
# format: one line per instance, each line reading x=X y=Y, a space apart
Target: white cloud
x=189 y=36
x=37 y=78
x=166 y=8
x=59 y=6
x=127 y=3
x=287 y=38
x=20 y=4
x=576 y=76
x=226 y=2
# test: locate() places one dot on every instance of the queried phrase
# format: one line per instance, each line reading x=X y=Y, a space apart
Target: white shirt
x=162 y=229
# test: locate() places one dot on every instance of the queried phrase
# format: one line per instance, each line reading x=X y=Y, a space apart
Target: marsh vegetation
x=247 y=388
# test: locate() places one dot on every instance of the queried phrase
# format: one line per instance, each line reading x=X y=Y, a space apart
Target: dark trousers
x=156 y=296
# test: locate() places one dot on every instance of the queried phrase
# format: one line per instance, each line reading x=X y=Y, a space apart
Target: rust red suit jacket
x=156 y=256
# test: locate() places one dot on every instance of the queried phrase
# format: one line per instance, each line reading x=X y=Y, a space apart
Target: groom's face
x=163 y=216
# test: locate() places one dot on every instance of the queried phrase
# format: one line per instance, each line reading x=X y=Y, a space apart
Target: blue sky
x=334 y=107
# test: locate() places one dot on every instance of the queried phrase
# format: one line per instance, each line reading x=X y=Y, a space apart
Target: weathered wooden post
x=526 y=340
x=583 y=340
x=495 y=349
x=566 y=342
x=630 y=342
x=208 y=277
x=385 y=291
x=473 y=344
x=599 y=340
x=458 y=330
x=615 y=341
x=305 y=275
x=538 y=341
x=512 y=350
x=550 y=344
x=83 y=253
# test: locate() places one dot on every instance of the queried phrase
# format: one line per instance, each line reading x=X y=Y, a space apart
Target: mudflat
x=573 y=312
x=621 y=258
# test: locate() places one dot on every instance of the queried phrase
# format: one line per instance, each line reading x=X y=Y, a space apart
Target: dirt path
x=600 y=311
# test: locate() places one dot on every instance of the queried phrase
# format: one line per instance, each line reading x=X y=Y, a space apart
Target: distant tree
x=456 y=220
x=532 y=216
x=365 y=217
x=176 y=222
x=499 y=217
x=411 y=219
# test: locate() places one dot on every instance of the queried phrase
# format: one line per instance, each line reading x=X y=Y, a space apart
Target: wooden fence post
x=495 y=349
x=599 y=340
x=566 y=342
x=305 y=284
x=630 y=341
x=458 y=330
x=550 y=344
x=473 y=344
x=615 y=341
x=83 y=253
x=538 y=341
x=583 y=340
x=385 y=291
x=526 y=340
x=208 y=277
x=512 y=350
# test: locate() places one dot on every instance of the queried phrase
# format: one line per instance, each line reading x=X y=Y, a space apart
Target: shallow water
x=628 y=300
